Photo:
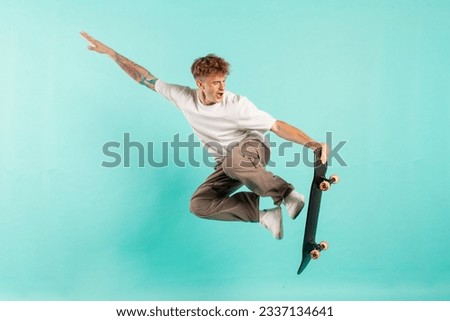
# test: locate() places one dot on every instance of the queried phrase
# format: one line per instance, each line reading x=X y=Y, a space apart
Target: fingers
x=85 y=35
x=88 y=37
x=325 y=152
x=93 y=42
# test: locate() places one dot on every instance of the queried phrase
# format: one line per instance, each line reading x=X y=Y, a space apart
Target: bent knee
x=199 y=208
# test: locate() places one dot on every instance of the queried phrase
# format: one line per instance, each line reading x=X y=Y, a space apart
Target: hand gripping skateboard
x=311 y=250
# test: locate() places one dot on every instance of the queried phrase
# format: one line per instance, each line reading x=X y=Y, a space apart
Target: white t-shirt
x=220 y=126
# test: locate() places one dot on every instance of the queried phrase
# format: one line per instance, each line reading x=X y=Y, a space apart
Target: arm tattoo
x=148 y=82
x=128 y=66
x=135 y=71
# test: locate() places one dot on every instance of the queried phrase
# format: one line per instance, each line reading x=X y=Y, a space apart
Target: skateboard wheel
x=315 y=254
x=324 y=186
x=324 y=245
x=334 y=179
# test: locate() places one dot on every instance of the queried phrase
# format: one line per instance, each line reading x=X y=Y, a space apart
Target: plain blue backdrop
x=374 y=74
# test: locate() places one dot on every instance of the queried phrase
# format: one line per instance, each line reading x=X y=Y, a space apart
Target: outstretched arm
x=138 y=73
x=295 y=135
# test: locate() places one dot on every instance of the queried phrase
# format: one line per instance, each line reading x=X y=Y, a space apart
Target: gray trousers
x=245 y=165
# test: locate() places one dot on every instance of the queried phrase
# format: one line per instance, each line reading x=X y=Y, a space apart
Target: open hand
x=96 y=45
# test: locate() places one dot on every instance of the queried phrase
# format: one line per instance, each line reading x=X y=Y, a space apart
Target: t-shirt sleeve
x=249 y=117
x=176 y=94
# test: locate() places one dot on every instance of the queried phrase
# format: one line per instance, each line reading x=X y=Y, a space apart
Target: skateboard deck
x=311 y=250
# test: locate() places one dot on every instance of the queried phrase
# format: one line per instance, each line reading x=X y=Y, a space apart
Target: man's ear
x=199 y=83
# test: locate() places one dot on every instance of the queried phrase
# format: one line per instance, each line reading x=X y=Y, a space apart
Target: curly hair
x=210 y=65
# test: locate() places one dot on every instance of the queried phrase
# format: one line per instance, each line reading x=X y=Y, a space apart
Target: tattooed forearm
x=138 y=73
x=128 y=66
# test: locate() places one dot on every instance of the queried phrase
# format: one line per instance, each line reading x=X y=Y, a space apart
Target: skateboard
x=311 y=250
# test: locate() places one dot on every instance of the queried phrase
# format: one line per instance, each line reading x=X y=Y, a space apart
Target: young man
x=232 y=128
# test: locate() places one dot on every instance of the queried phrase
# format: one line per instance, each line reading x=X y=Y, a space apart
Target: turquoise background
x=373 y=73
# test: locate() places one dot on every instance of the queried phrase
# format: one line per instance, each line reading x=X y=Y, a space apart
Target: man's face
x=212 y=88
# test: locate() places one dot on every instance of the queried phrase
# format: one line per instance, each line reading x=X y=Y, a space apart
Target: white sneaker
x=271 y=219
x=294 y=203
